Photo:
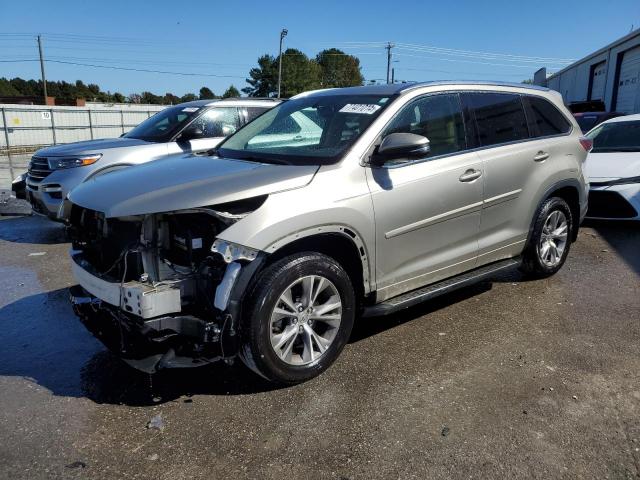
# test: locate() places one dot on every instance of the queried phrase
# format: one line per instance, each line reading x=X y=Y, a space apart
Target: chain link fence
x=25 y=128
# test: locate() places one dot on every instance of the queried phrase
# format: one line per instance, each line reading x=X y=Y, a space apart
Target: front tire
x=298 y=318
x=550 y=239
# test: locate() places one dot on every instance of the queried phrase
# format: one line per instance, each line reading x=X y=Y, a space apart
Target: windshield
x=616 y=137
x=164 y=125
x=306 y=131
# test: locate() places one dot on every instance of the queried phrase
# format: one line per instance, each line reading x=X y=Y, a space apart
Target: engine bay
x=161 y=278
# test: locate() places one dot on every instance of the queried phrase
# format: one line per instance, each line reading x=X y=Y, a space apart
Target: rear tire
x=550 y=240
x=298 y=318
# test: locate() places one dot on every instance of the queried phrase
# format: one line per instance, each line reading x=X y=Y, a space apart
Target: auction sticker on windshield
x=365 y=108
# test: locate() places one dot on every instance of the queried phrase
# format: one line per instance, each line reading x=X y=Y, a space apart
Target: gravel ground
x=509 y=379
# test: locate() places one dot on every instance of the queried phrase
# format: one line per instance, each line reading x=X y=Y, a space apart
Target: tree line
x=18 y=87
x=330 y=68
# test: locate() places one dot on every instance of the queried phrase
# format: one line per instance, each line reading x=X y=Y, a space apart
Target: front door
x=427 y=211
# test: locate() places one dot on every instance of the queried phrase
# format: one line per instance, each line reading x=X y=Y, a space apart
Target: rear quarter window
x=500 y=117
x=545 y=119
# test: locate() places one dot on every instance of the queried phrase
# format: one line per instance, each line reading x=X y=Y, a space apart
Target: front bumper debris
x=145 y=325
x=150 y=345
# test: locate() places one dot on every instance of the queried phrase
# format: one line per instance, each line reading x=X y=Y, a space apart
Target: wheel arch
x=339 y=242
x=569 y=191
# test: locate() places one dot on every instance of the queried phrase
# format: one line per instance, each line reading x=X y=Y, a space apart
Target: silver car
x=336 y=204
x=189 y=127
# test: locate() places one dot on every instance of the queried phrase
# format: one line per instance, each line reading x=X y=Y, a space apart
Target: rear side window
x=500 y=117
x=437 y=117
x=544 y=118
x=253 y=112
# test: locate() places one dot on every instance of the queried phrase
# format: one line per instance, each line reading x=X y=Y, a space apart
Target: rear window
x=544 y=118
x=500 y=117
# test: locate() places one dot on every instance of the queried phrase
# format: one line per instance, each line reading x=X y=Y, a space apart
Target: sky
x=216 y=43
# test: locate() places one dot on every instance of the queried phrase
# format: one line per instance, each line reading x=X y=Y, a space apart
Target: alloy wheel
x=305 y=320
x=553 y=239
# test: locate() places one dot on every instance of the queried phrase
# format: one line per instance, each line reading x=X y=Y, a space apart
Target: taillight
x=586 y=143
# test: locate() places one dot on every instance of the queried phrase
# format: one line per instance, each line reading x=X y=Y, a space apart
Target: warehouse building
x=612 y=74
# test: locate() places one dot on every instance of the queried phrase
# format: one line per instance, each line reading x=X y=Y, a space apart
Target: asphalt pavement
x=506 y=379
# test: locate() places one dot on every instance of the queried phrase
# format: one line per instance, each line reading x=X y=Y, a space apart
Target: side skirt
x=434 y=290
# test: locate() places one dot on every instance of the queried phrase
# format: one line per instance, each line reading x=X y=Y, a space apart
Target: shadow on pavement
x=43 y=340
x=107 y=379
x=624 y=238
x=368 y=327
x=32 y=229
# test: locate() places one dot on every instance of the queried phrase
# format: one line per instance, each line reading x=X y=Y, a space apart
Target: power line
x=112 y=67
x=465 y=61
x=481 y=57
x=454 y=51
x=457 y=52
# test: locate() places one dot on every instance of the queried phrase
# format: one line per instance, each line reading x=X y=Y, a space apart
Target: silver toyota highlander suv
x=338 y=203
x=189 y=127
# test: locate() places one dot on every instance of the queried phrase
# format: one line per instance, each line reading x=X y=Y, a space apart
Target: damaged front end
x=161 y=290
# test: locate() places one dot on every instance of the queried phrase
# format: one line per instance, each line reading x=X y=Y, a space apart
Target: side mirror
x=190 y=133
x=400 y=145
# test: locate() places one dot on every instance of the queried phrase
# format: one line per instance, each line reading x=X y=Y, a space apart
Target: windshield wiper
x=619 y=181
x=252 y=158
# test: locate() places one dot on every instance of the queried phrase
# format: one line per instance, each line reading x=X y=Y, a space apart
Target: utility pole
x=44 y=80
x=283 y=34
x=389 y=47
x=393 y=75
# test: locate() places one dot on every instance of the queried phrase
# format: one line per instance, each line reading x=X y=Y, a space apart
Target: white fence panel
x=34 y=125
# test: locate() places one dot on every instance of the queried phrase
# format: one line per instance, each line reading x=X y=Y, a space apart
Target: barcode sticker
x=364 y=108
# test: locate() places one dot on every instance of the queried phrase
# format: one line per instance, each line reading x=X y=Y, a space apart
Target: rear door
x=520 y=158
x=427 y=211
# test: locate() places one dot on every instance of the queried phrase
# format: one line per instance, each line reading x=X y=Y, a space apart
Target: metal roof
x=613 y=44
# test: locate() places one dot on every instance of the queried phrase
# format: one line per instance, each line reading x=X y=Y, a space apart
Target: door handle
x=470 y=175
x=541 y=156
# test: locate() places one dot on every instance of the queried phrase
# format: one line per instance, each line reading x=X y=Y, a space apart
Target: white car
x=613 y=169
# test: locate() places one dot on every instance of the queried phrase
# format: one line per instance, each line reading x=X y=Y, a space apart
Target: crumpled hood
x=90 y=146
x=185 y=181
x=613 y=165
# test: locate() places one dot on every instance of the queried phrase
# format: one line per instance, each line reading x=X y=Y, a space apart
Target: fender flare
x=343 y=230
x=569 y=182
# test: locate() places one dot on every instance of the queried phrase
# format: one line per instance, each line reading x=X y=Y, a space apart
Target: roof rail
x=412 y=86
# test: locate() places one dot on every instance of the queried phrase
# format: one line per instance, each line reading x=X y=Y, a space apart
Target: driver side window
x=437 y=117
x=218 y=122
